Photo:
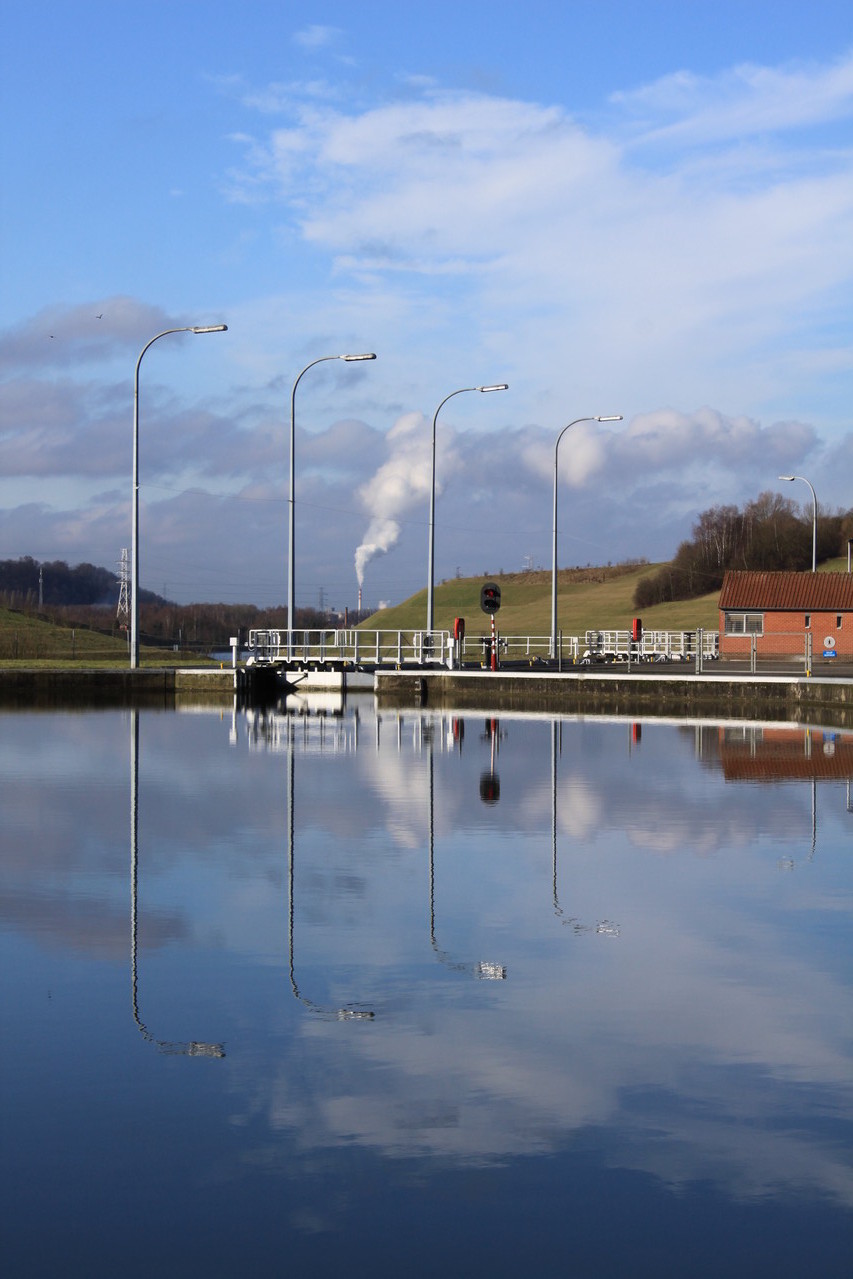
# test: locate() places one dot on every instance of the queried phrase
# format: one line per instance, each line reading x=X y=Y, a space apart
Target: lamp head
x=349 y=358
x=209 y=328
x=786 y=477
x=198 y=1049
x=614 y=417
x=501 y=386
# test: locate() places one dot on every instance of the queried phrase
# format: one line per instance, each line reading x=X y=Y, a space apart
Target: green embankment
x=27 y=639
x=587 y=599
x=591 y=599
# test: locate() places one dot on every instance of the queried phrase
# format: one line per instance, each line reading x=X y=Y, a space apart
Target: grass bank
x=26 y=639
x=587 y=599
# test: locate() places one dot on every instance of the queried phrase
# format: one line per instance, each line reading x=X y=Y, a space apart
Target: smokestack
x=359 y=603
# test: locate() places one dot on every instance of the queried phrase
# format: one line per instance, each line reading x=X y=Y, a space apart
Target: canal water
x=323 y=991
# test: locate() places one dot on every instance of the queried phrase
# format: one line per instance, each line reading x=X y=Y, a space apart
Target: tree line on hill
x=769 y=534
x=25 y=581
x=86 y=596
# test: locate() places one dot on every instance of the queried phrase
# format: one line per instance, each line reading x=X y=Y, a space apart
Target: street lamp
x=814 y=515
x=614 y=417
x=134 y=569
x=291 y=604
x=501 y=386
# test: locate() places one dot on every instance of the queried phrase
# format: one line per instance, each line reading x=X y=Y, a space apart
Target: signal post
x=490 y=602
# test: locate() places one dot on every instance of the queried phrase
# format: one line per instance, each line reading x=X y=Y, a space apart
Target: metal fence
x=422 y=648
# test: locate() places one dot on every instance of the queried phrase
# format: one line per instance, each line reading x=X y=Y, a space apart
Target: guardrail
x=653 y=646
x=351 y=647
x=424 y=648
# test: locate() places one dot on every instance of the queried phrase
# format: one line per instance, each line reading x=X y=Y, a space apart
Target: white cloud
x=741 y=102
x=89 y=332
x=316 y=36
x=651 y=277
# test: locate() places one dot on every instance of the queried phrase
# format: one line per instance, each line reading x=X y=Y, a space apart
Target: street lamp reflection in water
x=484 y=970
x=348 y=1012
x=179 y=1048
x=604 y=927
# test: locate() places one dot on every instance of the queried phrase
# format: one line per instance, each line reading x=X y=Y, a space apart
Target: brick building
x=780 y=610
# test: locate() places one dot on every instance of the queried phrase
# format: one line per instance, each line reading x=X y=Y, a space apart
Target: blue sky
x=613 y=207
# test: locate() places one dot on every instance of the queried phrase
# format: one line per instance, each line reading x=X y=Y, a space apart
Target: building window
x=808 y=621
x=838 y=621
x=744 y=623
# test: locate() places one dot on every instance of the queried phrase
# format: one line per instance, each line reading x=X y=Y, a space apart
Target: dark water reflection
x=425 y=994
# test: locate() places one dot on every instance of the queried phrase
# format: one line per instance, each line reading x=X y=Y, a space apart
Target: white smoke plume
x=401 y=483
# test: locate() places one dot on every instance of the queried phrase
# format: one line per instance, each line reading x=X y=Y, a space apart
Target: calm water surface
x=424 y=994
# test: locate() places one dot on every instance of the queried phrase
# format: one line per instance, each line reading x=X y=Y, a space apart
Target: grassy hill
x=30 y=639
x=587 y=599
x=590 y=599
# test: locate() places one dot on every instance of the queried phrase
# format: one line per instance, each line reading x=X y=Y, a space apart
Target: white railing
x=438 y=648
x=653 y=646
x=352 y=647
x=515 y=648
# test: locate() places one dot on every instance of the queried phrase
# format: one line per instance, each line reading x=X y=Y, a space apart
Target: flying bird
x=99 y=317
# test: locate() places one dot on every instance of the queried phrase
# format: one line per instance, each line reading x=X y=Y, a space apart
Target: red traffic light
x=490 y=597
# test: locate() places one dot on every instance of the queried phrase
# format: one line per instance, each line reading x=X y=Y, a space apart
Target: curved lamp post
x=501 y=386
x=134 y=533
x=615 y=417
x=814 y=515
x=291 y=605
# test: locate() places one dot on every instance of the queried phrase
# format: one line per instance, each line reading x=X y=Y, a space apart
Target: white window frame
x=744 y=623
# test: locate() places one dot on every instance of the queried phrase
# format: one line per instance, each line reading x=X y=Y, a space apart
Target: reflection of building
x=779 y=753
x=777 y=612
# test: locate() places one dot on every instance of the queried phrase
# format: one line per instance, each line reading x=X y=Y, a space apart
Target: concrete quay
x=727 y=693
x=38 y=688
x=743 y=695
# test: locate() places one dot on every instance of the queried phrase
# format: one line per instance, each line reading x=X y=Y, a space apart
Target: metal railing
x=364 y=648
x=653 y=646
x=351 y=647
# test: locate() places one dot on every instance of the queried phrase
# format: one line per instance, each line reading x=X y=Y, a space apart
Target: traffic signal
x=490 y=597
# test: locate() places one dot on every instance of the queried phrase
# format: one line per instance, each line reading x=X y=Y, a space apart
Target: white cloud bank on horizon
x=627 y=492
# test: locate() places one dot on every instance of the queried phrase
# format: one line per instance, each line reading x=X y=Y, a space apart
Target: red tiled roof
x=788 y=591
